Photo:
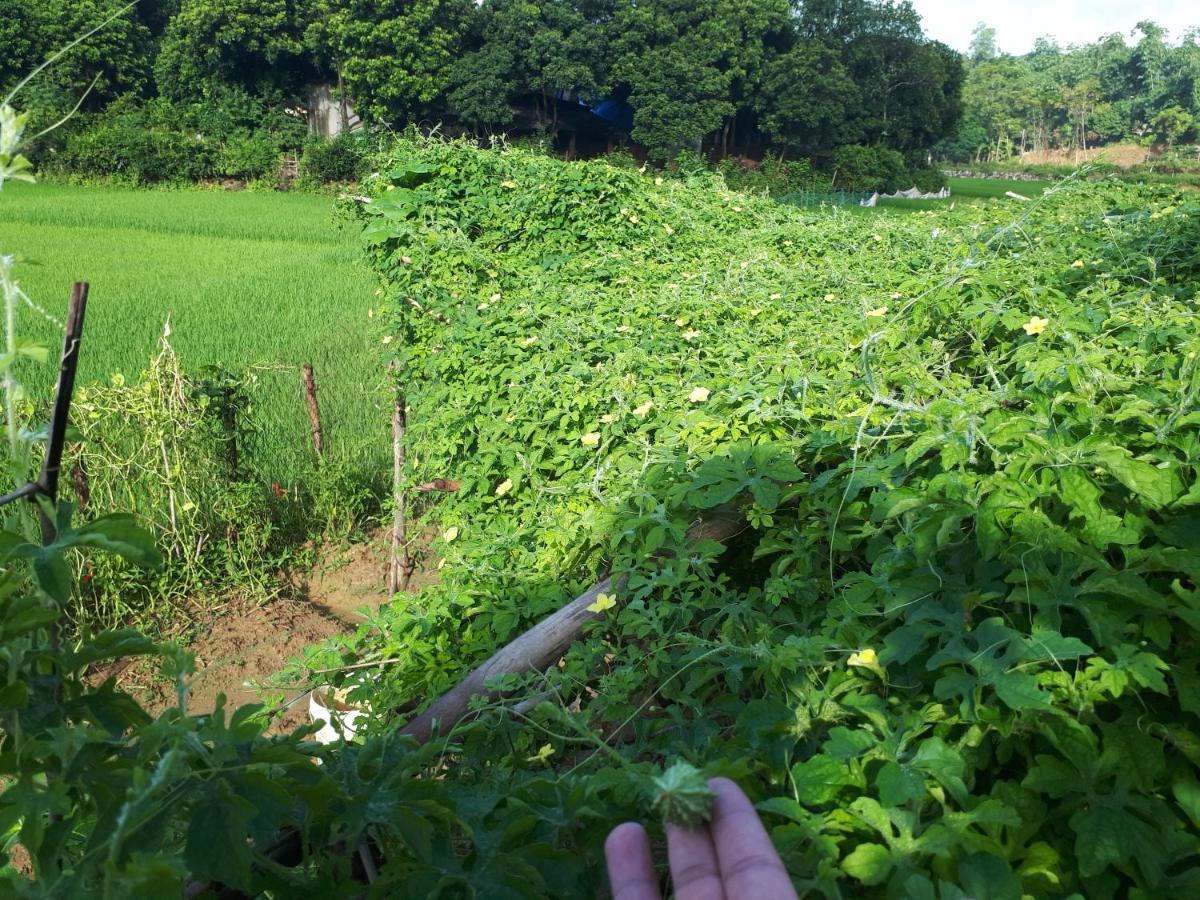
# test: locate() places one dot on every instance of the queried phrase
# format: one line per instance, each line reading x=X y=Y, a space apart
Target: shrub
x=345 y=158
x=858 y=168
x=248 y=155
x=778 y=177
x=127 y=149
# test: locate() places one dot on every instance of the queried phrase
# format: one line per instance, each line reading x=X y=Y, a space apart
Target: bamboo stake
x=400 y=567
x=541 y=646
x=314 y=413
x=52 y=465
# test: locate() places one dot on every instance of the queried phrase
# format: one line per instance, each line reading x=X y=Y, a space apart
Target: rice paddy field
x=253 y=282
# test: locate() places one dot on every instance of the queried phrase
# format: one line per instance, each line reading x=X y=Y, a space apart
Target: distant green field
x=264 y=280
x=995 y=187
x=972 y=189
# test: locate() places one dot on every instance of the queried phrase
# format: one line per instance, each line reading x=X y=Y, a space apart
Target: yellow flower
x=504 y=487
x=608 y=418
x=645 y=408
x=691 y=334
x=543 y=754
x=658 y=180
x=777 y=296
x=866 y=659
x=508 y=184
x=529 y=341
x=1078 y=264
x=450 y=534
x=829 y=297
x=679 y=323
x=634 y=219
x=623 y=329
x=495 y=297
x=1035 y=325
x=387 y=339
x=878 y=313
x=699 y=395
x=591 y=439
x=668 y=229
x=876 y=238
x=603 y=602
x=787 y=243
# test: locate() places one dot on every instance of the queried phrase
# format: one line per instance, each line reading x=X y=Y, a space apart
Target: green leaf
x=818 y=780
x=1187 y=794
x=869 y=863
x=1100 y=838
x=846 y=744
x=110 y=645
x=899 y=785
x=1020 y=690
x=1157 y=486
x=216 y=846
x=119 y=534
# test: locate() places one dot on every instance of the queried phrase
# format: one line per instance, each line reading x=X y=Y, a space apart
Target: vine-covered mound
x=954 y=652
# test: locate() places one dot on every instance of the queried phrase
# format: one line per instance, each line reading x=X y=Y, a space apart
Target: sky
x=1019 y=23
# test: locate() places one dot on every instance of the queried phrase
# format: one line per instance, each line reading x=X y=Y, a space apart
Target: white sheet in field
x=913 y=193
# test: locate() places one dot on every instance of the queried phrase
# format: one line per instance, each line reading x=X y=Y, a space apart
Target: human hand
x=731 y=858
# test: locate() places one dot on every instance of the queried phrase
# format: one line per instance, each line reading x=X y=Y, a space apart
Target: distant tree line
x=1098 y=93
x=800 y=77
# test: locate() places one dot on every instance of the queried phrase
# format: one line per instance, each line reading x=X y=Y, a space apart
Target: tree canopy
x=1081 y=96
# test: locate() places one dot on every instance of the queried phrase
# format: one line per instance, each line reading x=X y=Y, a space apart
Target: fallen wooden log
x=542 y=645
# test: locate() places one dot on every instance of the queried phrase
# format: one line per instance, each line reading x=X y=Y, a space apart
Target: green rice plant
x=258 y=282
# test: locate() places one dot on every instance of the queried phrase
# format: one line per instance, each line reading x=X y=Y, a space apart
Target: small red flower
x=279 y=492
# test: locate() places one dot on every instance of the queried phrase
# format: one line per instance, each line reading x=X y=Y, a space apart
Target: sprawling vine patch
x=954 y=652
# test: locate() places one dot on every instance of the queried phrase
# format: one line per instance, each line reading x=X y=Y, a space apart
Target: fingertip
x=625 y=838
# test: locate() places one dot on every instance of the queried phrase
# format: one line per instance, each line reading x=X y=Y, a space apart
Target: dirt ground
x=1123 y=155
x=243 y=644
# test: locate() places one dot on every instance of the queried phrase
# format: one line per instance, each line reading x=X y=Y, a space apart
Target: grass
x=262 y=281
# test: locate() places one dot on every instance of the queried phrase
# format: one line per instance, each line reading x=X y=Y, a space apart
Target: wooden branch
x=314 y=413
x=541 y=646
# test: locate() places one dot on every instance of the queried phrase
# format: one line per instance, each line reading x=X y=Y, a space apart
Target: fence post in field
x=400 y=567
x=52 y=465
x=314 y=414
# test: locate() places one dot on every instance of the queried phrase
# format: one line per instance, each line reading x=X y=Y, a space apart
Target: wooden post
x=400 y=567
x=314 y=414
x=52 y=465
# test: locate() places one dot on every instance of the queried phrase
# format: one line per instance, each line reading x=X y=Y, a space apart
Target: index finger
x=750 y=866
x=630 y=868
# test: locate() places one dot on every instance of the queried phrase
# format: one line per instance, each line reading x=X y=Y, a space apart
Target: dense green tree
x=524 y=49
x=113 y=60
x=21 y=41
x=252 y=44
x=1171 y=124
x=393 y=57
x=1096 y=93
x=670 y=60
x=808 y=102
x=983 y=44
